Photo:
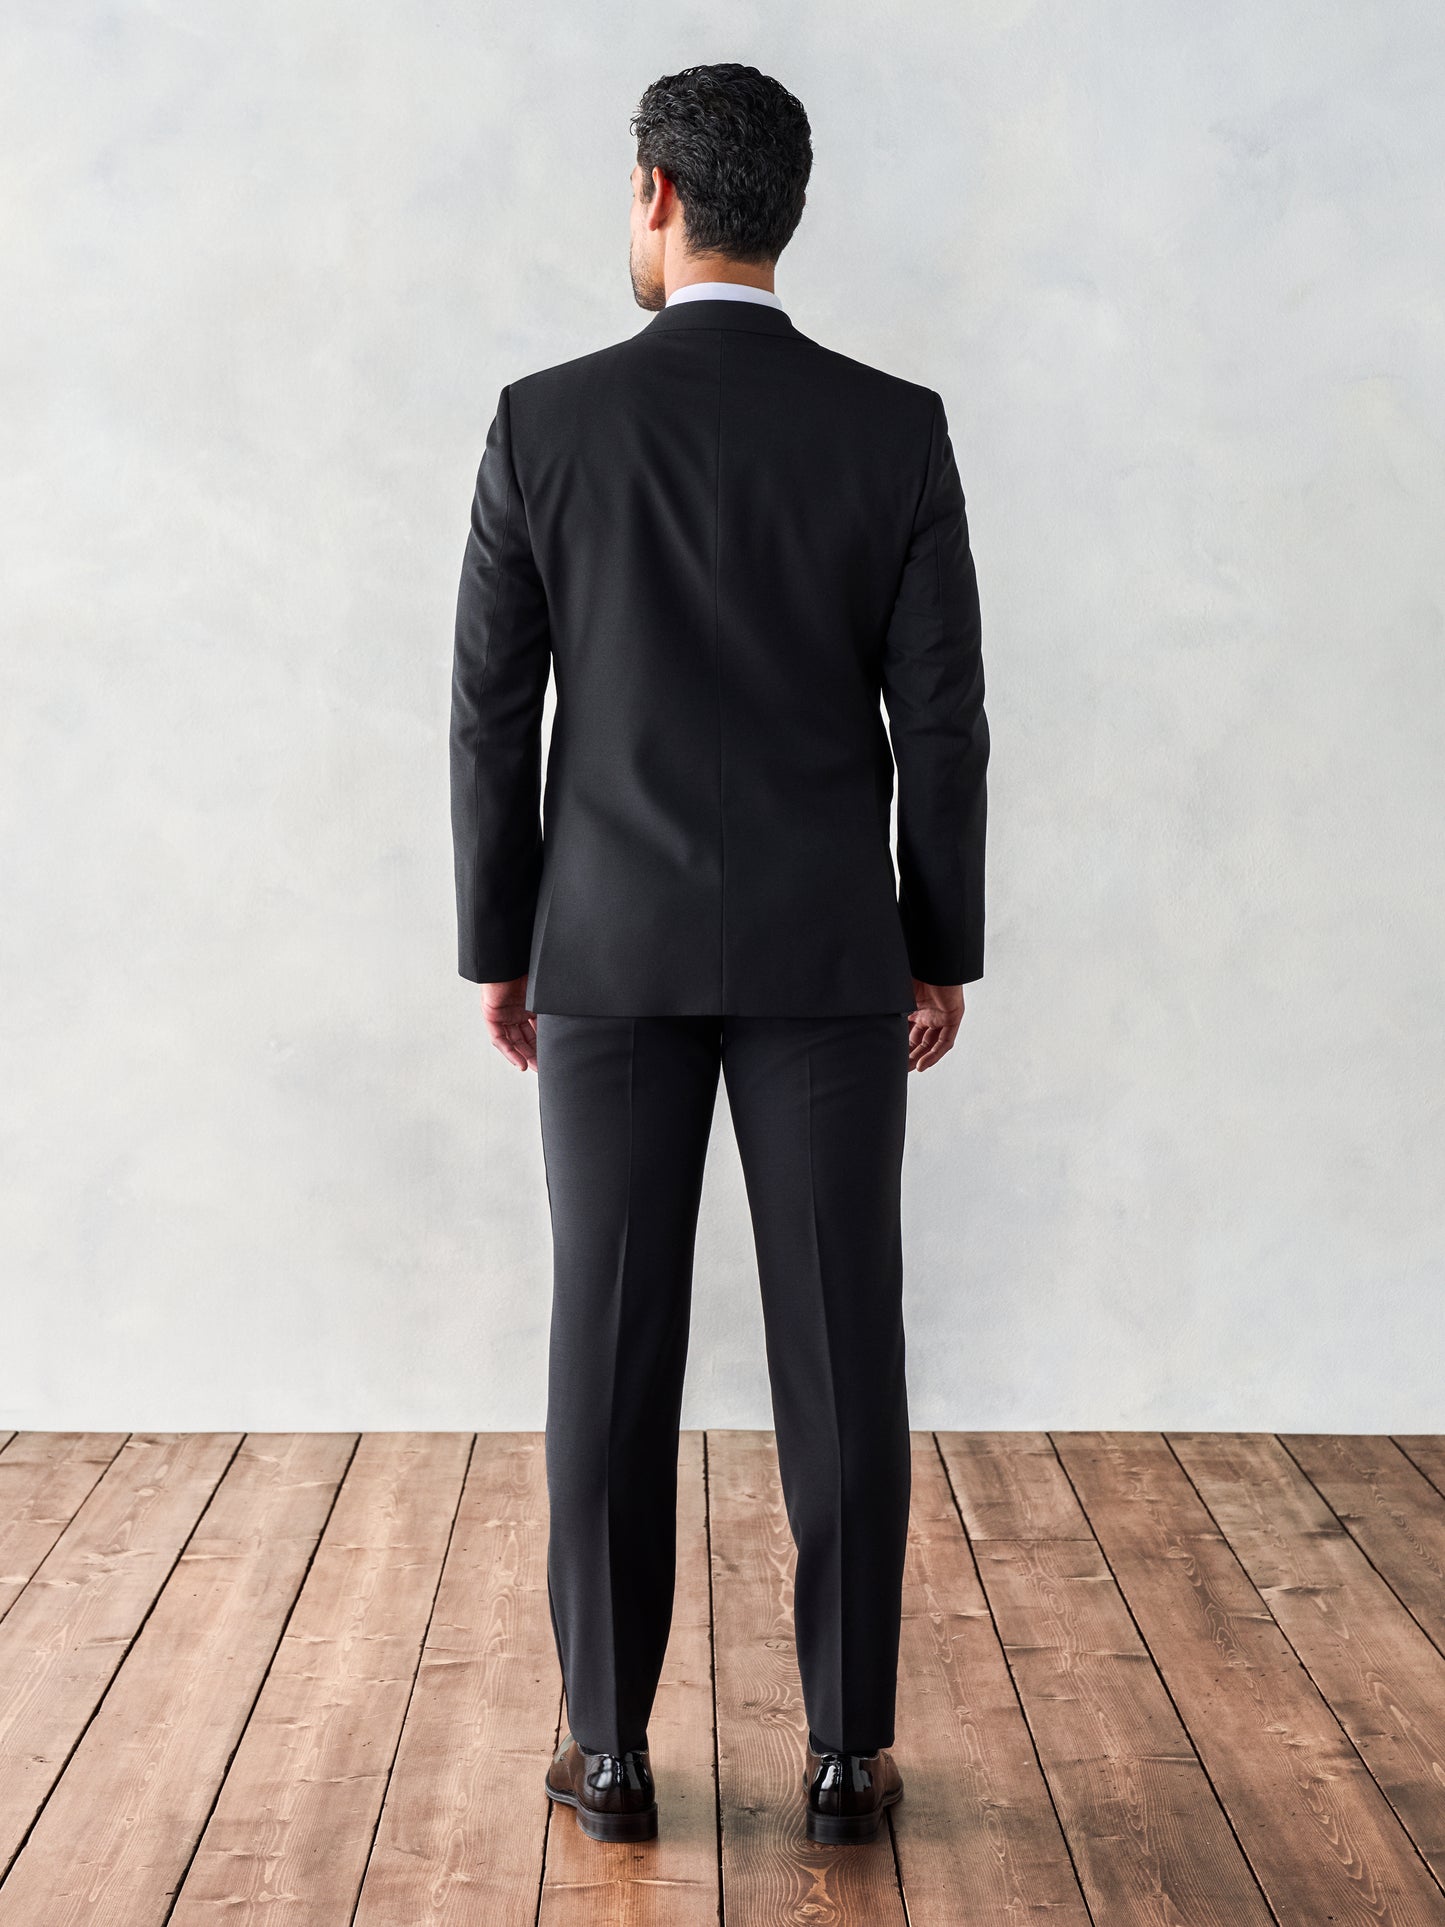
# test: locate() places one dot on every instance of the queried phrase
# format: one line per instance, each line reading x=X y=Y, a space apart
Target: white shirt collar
x=721 y=291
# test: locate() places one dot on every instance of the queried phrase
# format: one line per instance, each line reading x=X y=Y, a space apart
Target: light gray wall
x=1176 y=272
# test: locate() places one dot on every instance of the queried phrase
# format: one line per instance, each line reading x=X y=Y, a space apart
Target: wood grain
x=1427 y=1454
x=976 y=1816
x=292 y=1829
x=671 y=1881
x=462 y=1831
x=1150 y=1841
x=1321 y=1837
x=1382 y=1677
x=117 y=1833
x=1390 y=1508
x=368 y=1731
x=771 y=1873
x=67 y=1633
x=1009 y=1485
x=45 y=1478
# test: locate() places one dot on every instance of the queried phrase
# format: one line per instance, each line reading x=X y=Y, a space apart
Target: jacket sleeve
x=933 y=690
x=499 y=684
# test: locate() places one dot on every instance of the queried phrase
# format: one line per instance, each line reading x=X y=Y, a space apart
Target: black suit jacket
x=727 y=541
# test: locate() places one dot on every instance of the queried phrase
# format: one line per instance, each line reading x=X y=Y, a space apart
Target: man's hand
x=934 y=1023
x=510 y=1025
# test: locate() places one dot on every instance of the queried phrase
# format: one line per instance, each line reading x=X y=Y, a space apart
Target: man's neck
x=717 y=267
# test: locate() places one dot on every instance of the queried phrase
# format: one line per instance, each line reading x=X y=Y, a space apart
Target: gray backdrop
x=1176 y=273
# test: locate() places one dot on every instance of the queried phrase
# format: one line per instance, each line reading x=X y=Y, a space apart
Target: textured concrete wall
x=1176 y=272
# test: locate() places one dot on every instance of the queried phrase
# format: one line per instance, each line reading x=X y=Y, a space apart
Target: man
x=727 y=543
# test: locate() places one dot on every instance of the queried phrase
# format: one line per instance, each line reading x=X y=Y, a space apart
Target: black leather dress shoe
x=848 y=1794
x=613 y=1793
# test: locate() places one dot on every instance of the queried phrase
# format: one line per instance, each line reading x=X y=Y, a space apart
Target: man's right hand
x=937 y=1014
x=510 y=1025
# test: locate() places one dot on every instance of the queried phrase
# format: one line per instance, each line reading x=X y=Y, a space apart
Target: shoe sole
x=609 y=1826
x=852 y=1829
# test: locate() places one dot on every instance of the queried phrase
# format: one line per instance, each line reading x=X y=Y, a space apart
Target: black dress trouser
x=818 y=1108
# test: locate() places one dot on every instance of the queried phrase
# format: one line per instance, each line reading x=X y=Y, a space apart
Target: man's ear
x=663 y=196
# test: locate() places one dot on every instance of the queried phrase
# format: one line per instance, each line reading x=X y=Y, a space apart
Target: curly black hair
x=737 y=147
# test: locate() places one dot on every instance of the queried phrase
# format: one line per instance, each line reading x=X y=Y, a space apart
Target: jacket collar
x=754 y=315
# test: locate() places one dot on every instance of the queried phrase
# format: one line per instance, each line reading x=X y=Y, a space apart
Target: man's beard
x=647 y=291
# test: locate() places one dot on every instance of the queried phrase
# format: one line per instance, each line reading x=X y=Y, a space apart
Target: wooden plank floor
x=1182 y=1680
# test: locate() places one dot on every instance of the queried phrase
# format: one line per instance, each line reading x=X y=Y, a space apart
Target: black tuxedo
x=727 y=541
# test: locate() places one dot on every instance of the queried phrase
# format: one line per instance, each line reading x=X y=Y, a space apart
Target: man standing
x=727 y=543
